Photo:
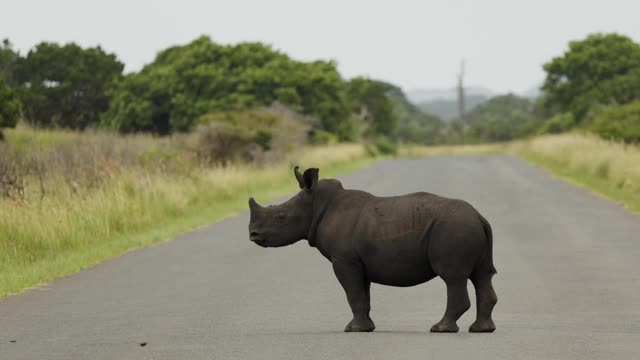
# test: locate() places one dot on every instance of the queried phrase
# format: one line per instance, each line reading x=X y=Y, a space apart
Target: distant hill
x=443 y=102
x=532 y=93
x=418 y=96
x=446 y=109
x=414 y=125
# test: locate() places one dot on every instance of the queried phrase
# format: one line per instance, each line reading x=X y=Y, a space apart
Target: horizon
x=505 y=45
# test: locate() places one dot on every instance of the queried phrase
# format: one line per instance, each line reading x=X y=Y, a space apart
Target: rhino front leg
x=354 y=281
x=457 y=304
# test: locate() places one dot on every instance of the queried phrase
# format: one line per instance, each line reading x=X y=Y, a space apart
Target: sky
x=414 y=44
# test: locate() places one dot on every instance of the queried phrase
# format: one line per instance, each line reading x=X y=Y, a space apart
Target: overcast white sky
x=415 y=44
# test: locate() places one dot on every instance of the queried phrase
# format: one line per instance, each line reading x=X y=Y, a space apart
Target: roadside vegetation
x=72 y=199
x=594 y=86
x=609 y=168
x=94 y=161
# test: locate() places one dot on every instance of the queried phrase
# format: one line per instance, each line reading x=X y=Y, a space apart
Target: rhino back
x=388 y=218
x=391 y=235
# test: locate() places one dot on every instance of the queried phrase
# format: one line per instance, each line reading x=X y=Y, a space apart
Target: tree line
x=594 y=85
x=72 y=87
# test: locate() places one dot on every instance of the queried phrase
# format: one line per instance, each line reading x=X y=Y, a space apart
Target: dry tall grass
x=68 y=200
x=588 y=155
x=607 y=167
x=441 y=150
x=85 y=197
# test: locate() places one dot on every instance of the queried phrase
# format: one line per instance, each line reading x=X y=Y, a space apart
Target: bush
x=620 y=123
x=321 y=137
x=222 y=143
x=247 y=135
x=9 y=107
x=383 y=145
x=557 y=124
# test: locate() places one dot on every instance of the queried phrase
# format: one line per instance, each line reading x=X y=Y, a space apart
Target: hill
x=417 y=96
x=414 y=125
x=447 y=109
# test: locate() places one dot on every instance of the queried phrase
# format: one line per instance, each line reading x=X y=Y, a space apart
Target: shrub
x=321 y=137
x=385 y=146
x=558 y=123
x=221 y=142
x=620 y=123
x=9 y=107
x=247 y=135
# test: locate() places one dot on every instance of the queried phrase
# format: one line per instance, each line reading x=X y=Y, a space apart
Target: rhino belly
x=397 y=260
x=394 y=242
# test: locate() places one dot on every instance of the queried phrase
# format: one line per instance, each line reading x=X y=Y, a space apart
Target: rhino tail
x=488 y=258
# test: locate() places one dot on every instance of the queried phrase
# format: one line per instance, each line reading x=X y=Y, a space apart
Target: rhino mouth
x=257 y=239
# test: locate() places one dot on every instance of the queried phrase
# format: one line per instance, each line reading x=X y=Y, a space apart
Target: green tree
x=602 y=69
x=413 y=124
x=8 y=60
x=66 y=86
x=370 y=100
x=185 y=82
x=619 y=123
x=501 y=118
x=9 y=107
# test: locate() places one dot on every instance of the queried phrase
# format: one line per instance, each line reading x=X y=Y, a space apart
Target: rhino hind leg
x=486 y=299
x=353 y=279
x=457 y=304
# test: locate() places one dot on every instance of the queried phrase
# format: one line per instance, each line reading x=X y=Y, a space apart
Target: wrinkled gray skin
x=398 y=241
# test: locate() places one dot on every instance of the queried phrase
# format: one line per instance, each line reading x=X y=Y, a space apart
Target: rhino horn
x=253 y=204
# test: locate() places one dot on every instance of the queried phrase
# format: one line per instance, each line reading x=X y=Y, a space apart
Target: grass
x=608 y=168
x=85 y=198
x=426 y=151
x=80 y=222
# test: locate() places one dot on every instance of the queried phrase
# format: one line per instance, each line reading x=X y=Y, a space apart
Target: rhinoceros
x=396 y=241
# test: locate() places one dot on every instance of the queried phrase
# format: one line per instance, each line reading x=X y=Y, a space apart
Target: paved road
x=568 y=283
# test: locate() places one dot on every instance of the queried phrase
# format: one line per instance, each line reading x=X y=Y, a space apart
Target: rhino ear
x=310 y=178
x=299 y=176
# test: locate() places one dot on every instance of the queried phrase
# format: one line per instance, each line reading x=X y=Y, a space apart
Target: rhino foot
x=360 y=325
x=486 y=326
x=445 y=326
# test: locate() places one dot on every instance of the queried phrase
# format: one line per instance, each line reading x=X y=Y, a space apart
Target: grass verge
x=607 y=168
x=59 y=235
x=133 y=206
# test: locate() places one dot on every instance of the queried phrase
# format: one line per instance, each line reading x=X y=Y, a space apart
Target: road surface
x=568 y=285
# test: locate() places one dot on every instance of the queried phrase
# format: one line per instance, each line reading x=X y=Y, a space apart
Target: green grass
x=607 y=168
x=596 y=184
x=65 y=232
x=122 y=201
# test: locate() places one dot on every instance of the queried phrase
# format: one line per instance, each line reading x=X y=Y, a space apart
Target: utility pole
x=461 y=97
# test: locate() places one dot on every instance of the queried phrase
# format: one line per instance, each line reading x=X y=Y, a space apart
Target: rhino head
x=289 y=222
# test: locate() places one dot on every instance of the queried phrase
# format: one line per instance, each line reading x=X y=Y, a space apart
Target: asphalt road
x=568 y=285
